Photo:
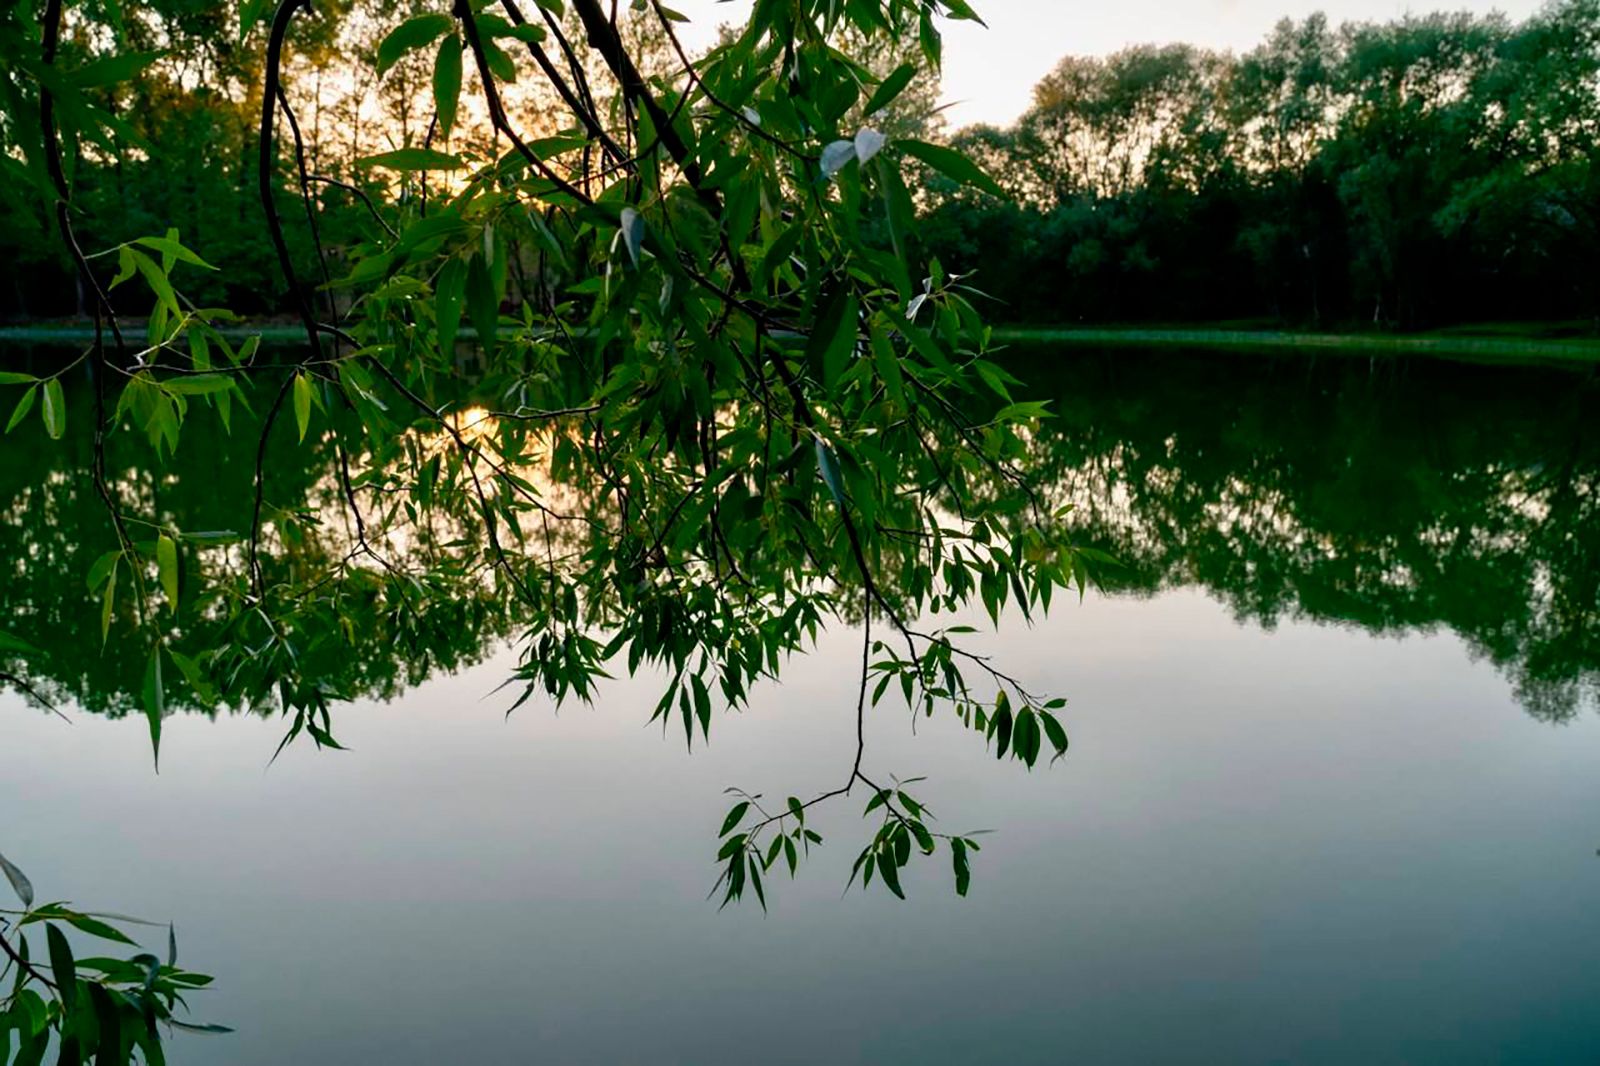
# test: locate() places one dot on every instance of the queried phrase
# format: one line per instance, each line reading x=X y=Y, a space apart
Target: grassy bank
x=1495 y=348
x=1487 y=344
x=133 y=330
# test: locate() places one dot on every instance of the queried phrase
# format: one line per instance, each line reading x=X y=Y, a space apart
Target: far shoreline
x=1530 y=343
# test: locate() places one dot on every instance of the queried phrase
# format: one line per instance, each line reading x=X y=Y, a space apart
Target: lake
x=1331 y=798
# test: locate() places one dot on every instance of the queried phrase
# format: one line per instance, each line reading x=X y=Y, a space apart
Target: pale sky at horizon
x=991 y=72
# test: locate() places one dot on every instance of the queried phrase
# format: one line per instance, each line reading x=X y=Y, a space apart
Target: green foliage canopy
x=735 y=401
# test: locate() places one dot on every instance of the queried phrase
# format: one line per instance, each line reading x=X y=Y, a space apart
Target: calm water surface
x=1332 y=795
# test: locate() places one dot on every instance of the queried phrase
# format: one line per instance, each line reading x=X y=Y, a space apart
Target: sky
x=989 y=74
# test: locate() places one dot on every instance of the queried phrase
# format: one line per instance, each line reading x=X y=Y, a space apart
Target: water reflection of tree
x=1397 y=500
x=53 y=528
x=1401 y=498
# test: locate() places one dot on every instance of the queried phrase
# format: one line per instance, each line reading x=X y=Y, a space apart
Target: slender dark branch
x=58 y=176
x=359 y=193
x=465 y=446
x=699 y=83
x=24 y=964
x=604 y=38
x=861 y=697
x=861 y=735
x=33 y=693
x=583 y=109
x=103 y=312
x=497 y=111
x=529 y=415
x=260 y=482
x=983 y=661
x=306 y=199
x=427 y=143
x=580 y=78
x=363 y=546
x=269 y=102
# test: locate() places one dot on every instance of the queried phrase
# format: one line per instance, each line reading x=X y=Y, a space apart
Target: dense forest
x=1420 y=173
x=1423 y=172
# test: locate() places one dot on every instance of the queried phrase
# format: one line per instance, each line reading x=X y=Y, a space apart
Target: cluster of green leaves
x=79 y=117
x=754 y=840
x=719 y=397
x=89 y=1008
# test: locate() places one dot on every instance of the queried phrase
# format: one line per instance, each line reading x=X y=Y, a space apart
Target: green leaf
x=833 y=335
x=211 y=536
x=12 y=643
x=19 y=881
x=447 y=82
x=167 y=567
x=109 y=70
x=54 y=409
x=890 y=873
x=412 y=159
x=155 y=701
x=961 y=10
x=448 y=293
x=483 y=308
x=199 y=348
x=527 y=33
x=108 y=598
x=963 y=871
x=890 y=88
x=952 y=164
x=24 y=405
x=1002 y=723
x=61 y=966
x=94 y=927
x=735 y=816
x=170 y=246
x=250 y=12
x=828 y=465
x=1054 y=730
x=157 y=279
x=108 y=1020
x=1026 y=736
x=755 y=881
x=1021 y=412
x=198 y=384
x=415 y=32
x=207 y=1029
x=302 y=403
x=633 y=233
x=888 y=363
x=192 y=674
x=500 y=64
x=11 y=377
x=126 y=266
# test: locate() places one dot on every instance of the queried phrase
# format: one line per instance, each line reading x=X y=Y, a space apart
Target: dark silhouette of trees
x=1412 y=174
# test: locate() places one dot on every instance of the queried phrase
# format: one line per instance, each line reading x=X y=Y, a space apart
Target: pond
x=1331 y=795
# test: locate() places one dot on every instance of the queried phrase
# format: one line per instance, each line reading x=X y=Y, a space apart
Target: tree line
x=1417 y=173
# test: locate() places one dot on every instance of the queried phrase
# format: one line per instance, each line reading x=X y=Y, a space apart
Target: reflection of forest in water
x=1397 y=497
x=53 y=527
x=1394 y=496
